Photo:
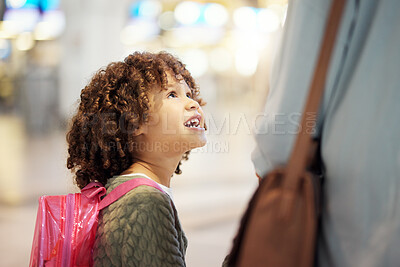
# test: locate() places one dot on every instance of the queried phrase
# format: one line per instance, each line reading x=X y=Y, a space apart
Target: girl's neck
x=159 y=171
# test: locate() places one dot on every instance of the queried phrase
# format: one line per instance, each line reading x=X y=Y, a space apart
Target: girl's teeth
x=193 y=123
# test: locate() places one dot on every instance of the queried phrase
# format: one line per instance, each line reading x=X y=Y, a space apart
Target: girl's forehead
x=173 y=78
x=174 y=81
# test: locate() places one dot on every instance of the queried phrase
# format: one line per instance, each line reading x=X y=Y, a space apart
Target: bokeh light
x=166 y=20
x=8 y=29
x=246 y=61
x=138 y=31
x=245 y=18
x=150 y=8
x=25 y=41
x=268 y=20
x=187 y=13
x=196 y=61
x=24 y=19
x=215 y=15
x=15 y=3
x=5 y=48
x=220 y=59
x=51 y=26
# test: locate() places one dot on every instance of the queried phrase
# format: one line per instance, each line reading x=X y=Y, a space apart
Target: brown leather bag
x=279 y=226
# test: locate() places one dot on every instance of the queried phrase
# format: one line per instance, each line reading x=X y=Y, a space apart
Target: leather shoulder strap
x=300 y=155
x=124 y=188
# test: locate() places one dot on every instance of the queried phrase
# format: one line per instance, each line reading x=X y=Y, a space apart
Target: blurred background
x=49 y=50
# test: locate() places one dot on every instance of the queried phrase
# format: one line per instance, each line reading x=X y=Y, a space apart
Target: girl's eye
x=189 y=95
x=173 y=94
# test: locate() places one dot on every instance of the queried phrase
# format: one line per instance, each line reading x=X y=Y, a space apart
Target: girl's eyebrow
x=177 y=88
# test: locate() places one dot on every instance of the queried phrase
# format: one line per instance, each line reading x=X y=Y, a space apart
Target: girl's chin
x=200 y=141
x=199 y=145
x=188 y=145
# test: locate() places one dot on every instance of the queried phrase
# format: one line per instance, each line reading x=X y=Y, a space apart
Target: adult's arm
x=277 y=126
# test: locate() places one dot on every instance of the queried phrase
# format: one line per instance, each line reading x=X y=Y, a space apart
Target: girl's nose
x=193 y=104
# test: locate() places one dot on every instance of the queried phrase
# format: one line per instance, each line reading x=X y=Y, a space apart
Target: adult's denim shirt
x=359 y=123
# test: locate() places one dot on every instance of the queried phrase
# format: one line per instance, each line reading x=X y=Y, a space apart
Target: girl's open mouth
x=194 y=123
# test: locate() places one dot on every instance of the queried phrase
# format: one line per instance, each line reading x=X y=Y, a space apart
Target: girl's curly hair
x=112 y=106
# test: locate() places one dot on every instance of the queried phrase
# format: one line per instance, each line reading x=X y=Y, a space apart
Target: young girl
x=137 y=118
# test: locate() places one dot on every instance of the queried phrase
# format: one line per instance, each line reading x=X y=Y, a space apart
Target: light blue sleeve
x=276 y=128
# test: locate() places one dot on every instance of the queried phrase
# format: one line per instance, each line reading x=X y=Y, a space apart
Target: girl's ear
x=140 y=131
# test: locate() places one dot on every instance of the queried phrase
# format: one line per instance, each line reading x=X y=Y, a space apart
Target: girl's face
x=176 y=121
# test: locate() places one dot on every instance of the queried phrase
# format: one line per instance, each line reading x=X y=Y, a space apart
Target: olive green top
x=139 y=229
